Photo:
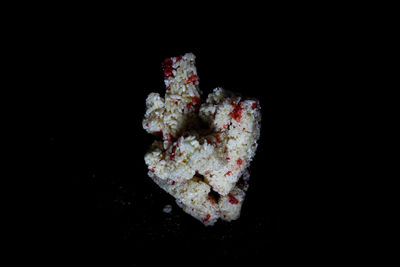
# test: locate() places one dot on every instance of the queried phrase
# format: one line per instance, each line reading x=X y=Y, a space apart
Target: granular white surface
x=191 y=160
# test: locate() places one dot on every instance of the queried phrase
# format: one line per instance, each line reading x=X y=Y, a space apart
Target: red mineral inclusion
x=152 y=170
x=228 y=173
x=169 y=137
x=173 y=182
x=232 y=199
x=211 y=200
x=195 y=103
x=237 y=111
x=178 y=59
x=254 y=105
x=228 y=159
x=196 y=99
x=167 y=66
x=191 y=79
x=239 y=161
x=158 y=132
x=147 y=125
x=207 y=218
x=172 y=157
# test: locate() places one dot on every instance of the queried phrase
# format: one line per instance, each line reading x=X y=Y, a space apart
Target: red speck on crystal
x=173 y=182
x=225 y=126
x=209 y=141
x=207 y=218
x=172 y=156
x=195 y=104
x=237 y=111
x=232 y=199
x=228 y=158
x=147 y=125
x=218 y=137
x=191 y=79
x=169 y=137
x=254 y=105
x=228 y=173
x=211 y=200
x=239 y=162
x=167 y=67
x=158 y=132
x=206 y=172
x=178 y=58
x=152 y=170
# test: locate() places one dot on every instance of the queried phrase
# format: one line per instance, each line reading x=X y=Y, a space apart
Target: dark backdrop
x=103 y=205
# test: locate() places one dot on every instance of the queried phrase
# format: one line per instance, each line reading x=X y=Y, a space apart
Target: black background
x=102 y=204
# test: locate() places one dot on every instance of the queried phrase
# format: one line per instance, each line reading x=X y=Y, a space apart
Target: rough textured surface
x=205 y=148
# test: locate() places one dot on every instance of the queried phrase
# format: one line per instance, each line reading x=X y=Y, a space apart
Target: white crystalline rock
x=190 y=162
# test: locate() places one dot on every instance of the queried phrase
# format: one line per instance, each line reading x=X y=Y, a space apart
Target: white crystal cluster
x=206 y=148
